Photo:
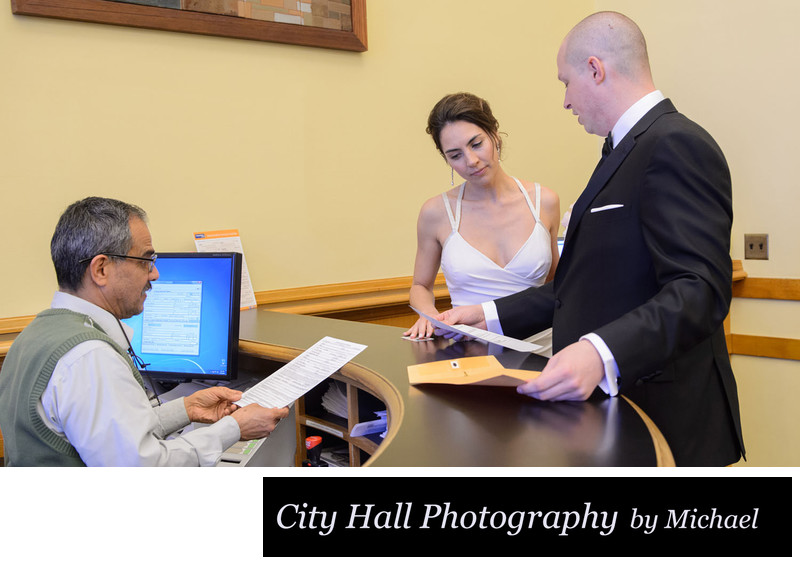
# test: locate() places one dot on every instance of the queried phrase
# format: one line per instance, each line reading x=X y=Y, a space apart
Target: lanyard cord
x=142 y=366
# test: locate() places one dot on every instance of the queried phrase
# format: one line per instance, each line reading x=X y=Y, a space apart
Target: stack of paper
x=335 y=399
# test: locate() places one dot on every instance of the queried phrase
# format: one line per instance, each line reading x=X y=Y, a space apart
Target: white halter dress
x=473 y=278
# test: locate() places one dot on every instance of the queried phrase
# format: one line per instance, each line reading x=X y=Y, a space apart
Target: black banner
x=528 y=516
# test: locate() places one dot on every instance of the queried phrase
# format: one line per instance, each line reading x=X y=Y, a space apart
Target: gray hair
x=87 y=228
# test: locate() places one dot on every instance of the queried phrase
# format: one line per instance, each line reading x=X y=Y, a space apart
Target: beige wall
x=318 y=157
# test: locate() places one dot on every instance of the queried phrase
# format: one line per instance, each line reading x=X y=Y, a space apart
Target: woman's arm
x=551 y=218
x=426 y=266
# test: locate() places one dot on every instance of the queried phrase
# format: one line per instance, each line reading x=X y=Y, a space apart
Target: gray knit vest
x=24 y=376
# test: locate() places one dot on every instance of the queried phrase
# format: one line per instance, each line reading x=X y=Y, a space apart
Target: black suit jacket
x=646 y=266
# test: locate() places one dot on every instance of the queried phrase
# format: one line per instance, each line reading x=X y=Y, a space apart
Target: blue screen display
x=190 y=317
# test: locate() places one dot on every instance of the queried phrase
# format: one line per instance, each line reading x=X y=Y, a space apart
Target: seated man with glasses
x=70 y=393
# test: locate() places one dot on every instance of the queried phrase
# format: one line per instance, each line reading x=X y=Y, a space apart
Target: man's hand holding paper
x=467 y=315
x=303 y=373
x=571 y=374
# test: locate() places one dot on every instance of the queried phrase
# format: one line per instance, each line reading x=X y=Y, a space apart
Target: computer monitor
x=189 y=328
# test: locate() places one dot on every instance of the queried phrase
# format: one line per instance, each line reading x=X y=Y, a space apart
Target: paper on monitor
x=302 y=373
x=227 y=241
x=484 y=335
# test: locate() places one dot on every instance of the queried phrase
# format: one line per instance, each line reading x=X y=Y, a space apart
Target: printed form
x=484 y=335
x=302 y=373
x=171 y=321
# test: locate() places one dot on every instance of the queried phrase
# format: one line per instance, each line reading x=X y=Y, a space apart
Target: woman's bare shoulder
x=549 y=196
x=433 y=209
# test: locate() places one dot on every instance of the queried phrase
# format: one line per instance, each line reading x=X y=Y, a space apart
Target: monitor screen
x=189 y=328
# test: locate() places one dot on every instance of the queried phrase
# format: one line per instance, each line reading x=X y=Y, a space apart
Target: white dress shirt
x=625 y=123
x=94 y=401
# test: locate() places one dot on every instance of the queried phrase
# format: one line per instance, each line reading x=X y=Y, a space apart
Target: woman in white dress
x=493 y=235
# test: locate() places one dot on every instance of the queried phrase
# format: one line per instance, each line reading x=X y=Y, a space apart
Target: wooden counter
x=441 y=425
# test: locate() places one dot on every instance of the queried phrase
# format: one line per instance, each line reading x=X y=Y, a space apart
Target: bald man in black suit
x=644 y=281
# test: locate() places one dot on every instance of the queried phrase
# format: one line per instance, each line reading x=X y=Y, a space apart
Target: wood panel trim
x=332 y=305
x=14 y=325
x=775 y=289
x=769 y=289
x=738 y=271
x=761 y=346
x=317 y=292
x=330 y=299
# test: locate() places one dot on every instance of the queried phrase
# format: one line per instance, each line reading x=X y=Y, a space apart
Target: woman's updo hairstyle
x=464 y=107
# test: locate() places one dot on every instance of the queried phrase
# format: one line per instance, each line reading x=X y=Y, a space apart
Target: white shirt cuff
x=609 y=384
x=491 y=318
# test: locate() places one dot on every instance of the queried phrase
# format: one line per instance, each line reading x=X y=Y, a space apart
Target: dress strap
x=534 y=209
x=454 y=221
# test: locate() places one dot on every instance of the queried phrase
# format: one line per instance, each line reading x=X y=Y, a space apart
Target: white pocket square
x=604 y=208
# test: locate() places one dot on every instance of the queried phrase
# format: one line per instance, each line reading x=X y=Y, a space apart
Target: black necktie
x=607 y=146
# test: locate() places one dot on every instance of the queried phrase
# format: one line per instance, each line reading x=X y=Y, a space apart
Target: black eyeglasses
x=151 y=259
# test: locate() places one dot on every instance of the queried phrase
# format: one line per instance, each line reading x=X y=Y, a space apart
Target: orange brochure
x=484 y=371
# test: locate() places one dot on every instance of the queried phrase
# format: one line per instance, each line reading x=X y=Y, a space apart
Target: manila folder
x=485 y=371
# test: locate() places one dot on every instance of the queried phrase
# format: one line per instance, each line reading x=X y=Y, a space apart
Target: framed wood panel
x=190 y=20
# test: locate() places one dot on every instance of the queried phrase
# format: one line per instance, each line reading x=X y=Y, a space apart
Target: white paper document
x=302 y=373
x=227 y=241
x=484 y=335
